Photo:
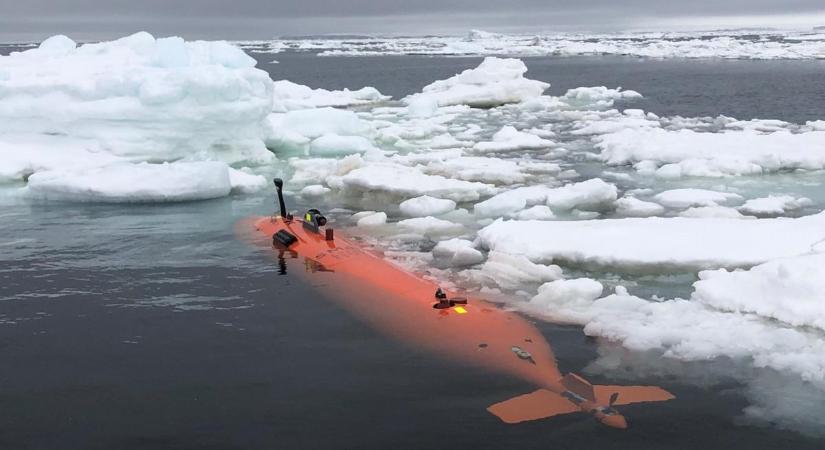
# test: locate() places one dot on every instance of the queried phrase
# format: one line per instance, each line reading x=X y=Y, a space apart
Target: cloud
x=90 y=19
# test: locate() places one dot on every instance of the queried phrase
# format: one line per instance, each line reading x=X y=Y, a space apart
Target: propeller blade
x=613 y=397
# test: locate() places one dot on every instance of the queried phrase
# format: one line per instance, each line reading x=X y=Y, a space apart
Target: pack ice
x=106 y=106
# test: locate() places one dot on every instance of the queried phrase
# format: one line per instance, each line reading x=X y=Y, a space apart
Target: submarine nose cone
x=615 y=421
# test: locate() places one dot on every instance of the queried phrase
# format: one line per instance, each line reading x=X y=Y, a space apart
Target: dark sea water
x=155 y=327
x=790 y=90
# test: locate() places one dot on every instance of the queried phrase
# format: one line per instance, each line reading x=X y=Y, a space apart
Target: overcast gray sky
x=255 y=19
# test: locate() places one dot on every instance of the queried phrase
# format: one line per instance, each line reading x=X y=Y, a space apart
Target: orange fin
x=579 y=385
x=535 y=405
x=631 y=394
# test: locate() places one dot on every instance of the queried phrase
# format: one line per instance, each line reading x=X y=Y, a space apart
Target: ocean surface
x=156 y=327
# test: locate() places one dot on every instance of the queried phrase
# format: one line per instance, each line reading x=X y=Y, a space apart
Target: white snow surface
x=495 y=82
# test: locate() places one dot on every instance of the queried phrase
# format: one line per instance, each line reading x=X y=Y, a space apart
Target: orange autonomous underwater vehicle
x=417 y=311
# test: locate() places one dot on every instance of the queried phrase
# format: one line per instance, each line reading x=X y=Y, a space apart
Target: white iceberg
x=599 y=97
x=495 y=82
x=140 y=98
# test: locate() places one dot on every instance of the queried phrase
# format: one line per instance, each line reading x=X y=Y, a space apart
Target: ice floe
x=288 y=96
x=80 y=122
x=426 y=206
x=370 y=218
x=515 y=271
x=692 y=331
x=656 y=244
x=457 y=253
x=508 y=138
x=689 y=197
x=597 y=96
x=430 y=227
x=142 y=98
x=590 y=194
x=633 y=207
x=789 y=290
x=119 y=183
x=495 y=82
x=409 y=182
x=774 y=205
x=686 y=152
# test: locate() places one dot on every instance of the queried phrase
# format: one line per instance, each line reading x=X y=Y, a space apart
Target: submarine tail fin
x=625 y=395
x=533 y=406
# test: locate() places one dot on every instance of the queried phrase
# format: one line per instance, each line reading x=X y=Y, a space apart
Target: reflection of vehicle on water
x=417 y=311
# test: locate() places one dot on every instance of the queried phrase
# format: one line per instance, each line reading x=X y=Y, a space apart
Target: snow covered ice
x=289 y=96
x=655 y=243
x=134 y=100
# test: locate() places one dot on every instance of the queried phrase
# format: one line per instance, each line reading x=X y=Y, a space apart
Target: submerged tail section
x=533 y=406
